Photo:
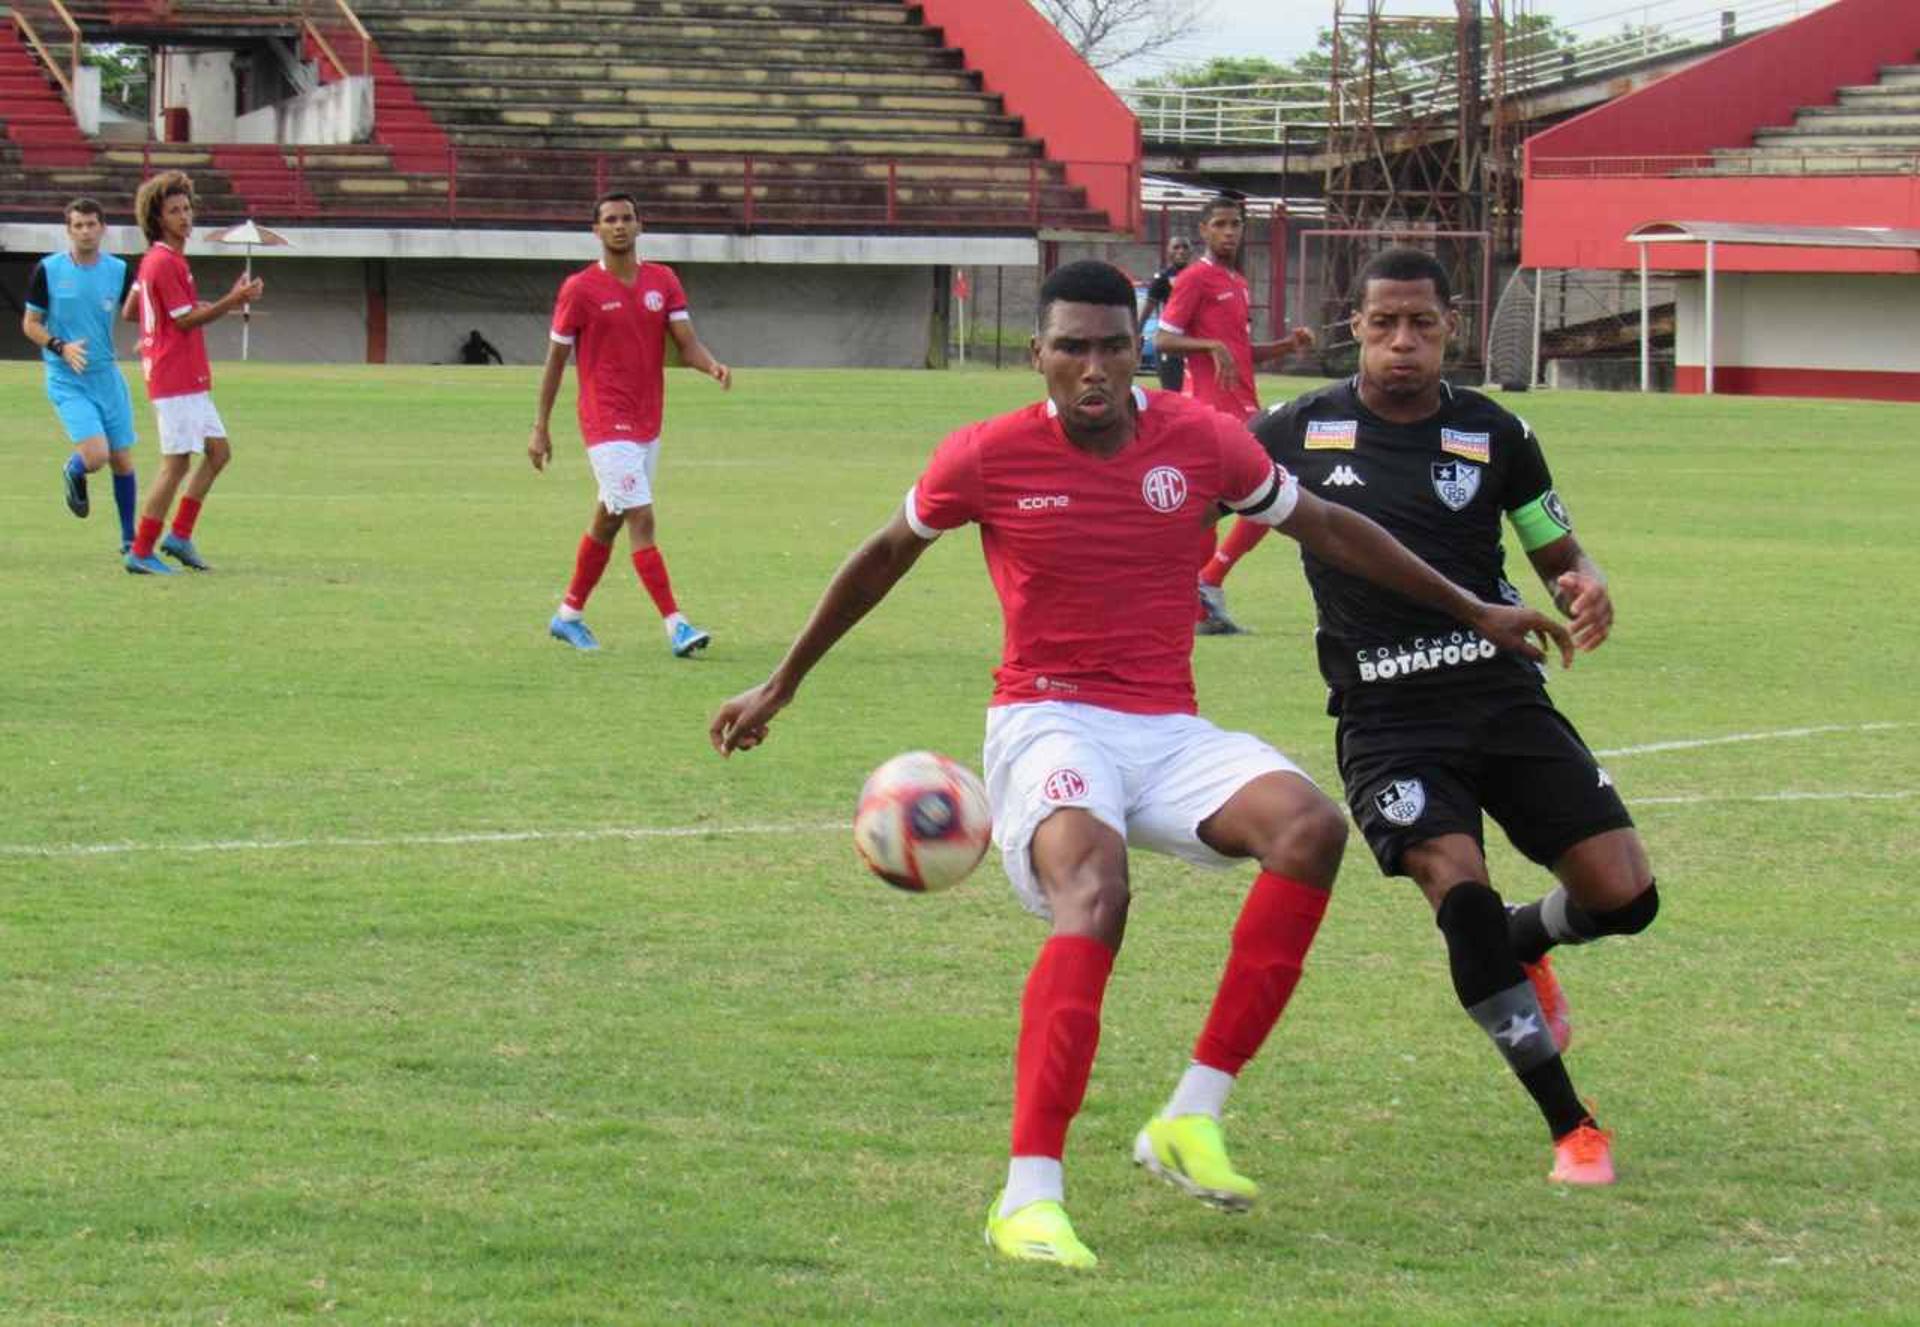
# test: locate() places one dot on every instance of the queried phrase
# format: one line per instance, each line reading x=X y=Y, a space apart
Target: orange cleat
x=1584 y=1156
x=1553 y=1001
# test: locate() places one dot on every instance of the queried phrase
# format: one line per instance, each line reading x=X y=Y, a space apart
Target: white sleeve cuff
x=912 y=511
x=680 y=316
x=1166 y=326
x=560 y=340
x=180 y=312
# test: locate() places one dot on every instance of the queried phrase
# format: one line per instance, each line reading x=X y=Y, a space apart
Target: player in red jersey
x=617 y=315
x=1094 y=506
x=1209 y=320
x=173 y=356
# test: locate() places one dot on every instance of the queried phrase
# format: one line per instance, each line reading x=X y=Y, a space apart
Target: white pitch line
x=635 y=833
x=1776 y=735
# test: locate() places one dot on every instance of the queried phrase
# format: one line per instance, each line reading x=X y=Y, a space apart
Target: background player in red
x=173 y=356
x=1093 y=506
x=1209 y=320
x=617 y=315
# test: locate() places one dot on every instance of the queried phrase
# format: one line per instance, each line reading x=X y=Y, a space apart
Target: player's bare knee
x=1308 y=843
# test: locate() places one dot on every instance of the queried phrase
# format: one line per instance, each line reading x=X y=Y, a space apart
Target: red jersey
x=174 y=362
x=619 y=336
x=1215 y=303
x=1093 y=557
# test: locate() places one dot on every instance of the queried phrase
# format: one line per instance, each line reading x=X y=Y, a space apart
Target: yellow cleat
x=1188 y=1152
x=1038 y=1232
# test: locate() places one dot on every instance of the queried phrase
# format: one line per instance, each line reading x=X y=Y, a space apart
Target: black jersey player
x=1435 y=724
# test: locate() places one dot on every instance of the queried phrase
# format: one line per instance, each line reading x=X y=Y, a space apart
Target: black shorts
x=1422 y=765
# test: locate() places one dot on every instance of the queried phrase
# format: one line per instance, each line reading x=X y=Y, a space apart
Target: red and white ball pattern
x=923 y=822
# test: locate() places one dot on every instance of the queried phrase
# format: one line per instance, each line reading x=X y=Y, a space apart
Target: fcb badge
x=1455 y=482
x=1401 y=801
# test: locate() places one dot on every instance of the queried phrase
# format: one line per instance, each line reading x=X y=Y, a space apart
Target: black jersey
x=1440 y=486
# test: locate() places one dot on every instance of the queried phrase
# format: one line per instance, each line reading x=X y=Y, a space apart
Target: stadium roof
x=1800 y=237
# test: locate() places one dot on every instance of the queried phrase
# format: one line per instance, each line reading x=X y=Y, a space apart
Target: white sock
x=672 y=620
x=570 y=614
x=1202 y=1091
x=1033 y=1180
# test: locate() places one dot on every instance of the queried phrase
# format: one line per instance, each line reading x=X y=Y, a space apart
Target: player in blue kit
x=72 y=301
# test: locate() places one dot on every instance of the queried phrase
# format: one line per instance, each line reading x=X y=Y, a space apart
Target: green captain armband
x=1541 y=521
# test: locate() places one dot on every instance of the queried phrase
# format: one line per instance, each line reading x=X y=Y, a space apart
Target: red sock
x=1242 y=540
x=186 y=517
x=653 y=574
x=589 y=561
x=1059 y=1033
x=145 y=535
x=1270 y=942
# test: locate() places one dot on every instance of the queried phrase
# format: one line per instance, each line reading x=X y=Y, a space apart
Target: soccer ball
x=923 y=822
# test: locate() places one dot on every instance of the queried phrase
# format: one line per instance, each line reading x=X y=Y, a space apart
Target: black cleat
x=76 y=488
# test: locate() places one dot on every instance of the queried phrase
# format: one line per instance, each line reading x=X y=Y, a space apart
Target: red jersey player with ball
x=617 y=315
x=1094 y=507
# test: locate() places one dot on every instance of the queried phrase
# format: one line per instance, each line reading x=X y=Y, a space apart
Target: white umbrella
x=249 y=234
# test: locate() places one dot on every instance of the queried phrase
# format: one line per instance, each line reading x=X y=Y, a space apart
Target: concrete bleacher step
x=581 y=12
x=457 y=118
x=575 y=58
x=1850 y=119
x=522 y=92
x=479 y=71
x=1902 y=137
x=1893 y=97
x=1900 y=76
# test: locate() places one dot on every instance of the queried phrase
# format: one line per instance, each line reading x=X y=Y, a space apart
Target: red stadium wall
x=1723 y=99
x=1064 y=103
x=1840 y=384
x=1597 y=176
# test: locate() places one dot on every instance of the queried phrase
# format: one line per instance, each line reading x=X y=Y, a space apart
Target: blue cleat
x=573 y=632
x=183 y=552
x=687 y=638
x=76 y=488
x=147 y=566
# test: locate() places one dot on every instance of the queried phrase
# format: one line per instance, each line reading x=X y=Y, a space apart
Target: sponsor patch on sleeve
x=1325 y=435
x=1472 y=446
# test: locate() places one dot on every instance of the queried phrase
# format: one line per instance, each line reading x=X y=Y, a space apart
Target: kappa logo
x=1455 y=483
x=1606 y=780
x=1064 y=785
x=1343 y=476
x=655 y=301
x=1164 y=488
x=1401 y=801
x=1332 y=434
x=1473 y=446
x=1043 y=502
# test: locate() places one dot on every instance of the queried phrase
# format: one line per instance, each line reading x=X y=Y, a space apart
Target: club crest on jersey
x=1164 y=488
x=1557 y=509
x=1332 y=434
x=655 y=301
x=1401 y=801
x=1455 y=483
x=1064 y=785
x=1473 y=446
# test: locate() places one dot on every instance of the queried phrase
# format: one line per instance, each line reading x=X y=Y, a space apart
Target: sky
x=1283 y=29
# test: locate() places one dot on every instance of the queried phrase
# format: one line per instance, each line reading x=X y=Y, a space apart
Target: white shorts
x=625 y=472
x=186 y=422
x=1151 y=777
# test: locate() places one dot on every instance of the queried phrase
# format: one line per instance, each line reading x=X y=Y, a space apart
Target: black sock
x=1496 y=995
x=1534 y=928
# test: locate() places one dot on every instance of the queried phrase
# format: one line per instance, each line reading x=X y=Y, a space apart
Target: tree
x=1111 y=32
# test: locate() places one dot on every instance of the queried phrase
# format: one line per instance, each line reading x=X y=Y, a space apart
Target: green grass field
x=367 y=956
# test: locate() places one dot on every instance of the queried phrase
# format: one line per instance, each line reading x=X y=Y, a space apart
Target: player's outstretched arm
x=1578 y=587
x=695 y=355
x=1267 y=352
x=1178 y=343
x=540 y=445
x=1358 y=545
x=864 y=579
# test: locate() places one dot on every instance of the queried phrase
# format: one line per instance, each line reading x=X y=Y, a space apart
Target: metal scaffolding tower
x=1422 y=148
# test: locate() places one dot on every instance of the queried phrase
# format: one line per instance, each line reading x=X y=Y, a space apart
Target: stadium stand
x=1732 y=142
x=772 y=114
